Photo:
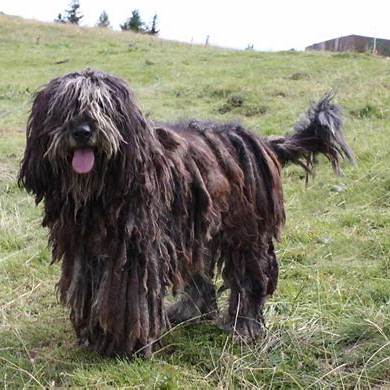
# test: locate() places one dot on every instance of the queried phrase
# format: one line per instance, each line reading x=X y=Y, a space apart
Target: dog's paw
x=186 y=311
x=243 y=329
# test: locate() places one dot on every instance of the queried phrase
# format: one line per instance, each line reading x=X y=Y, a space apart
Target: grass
x=328 y=323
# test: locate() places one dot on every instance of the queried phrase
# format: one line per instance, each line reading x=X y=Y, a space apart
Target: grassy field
x=328 y=323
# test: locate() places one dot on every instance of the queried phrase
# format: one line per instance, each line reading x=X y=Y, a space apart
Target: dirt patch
x=4 y=131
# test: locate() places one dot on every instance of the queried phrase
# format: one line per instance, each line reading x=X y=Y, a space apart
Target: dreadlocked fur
x=160 y=209
x=319 y=131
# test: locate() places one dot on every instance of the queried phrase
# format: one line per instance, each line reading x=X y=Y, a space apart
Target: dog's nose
x=82 y=133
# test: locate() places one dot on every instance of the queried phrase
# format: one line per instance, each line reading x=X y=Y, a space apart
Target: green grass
x=328 y=323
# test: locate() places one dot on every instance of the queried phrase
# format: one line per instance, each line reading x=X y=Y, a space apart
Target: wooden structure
x=355 y=43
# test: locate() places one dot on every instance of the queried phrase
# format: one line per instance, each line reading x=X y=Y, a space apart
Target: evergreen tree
x=60 y=19
x=153 y=30
x=134 y=23
x=73 y=13
x=103 y=20
x=125 y=26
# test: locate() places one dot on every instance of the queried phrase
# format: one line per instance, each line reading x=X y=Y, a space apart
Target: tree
x=72 y=15
x=125 y=26
x=103 y=20
x=134 y=23
x=153 y=30
x=60 y=19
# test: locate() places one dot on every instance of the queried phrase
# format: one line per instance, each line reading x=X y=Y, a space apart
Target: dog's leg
x=198 y=301
x=251 y=277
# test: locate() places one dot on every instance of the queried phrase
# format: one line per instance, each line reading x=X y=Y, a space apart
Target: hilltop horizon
x=269 y=26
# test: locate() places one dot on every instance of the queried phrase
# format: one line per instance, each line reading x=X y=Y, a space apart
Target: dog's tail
x=319 y=132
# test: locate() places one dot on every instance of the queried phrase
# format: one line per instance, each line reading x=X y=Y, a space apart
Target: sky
x=265 y=24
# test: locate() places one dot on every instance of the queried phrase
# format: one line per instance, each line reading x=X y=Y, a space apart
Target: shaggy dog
x=136 y=210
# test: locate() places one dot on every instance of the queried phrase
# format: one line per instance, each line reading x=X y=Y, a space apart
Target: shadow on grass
x=42 y=351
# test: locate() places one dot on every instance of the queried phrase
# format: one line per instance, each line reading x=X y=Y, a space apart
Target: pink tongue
x=83 y=160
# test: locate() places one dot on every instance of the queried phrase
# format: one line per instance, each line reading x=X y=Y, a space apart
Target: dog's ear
x=35 y=173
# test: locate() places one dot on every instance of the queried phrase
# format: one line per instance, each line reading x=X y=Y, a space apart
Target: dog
x=137 y=210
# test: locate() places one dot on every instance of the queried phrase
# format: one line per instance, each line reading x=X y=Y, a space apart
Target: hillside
x=328 y=323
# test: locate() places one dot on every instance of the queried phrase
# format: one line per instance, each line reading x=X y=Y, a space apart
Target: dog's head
x=80 y=125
